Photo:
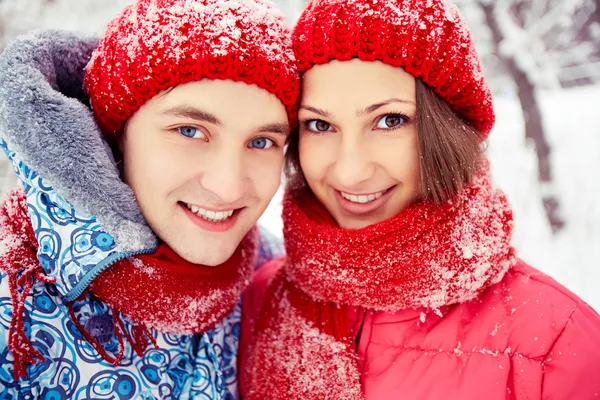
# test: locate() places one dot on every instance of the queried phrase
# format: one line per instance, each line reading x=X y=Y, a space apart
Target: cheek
x=403 y=162
x=148 y=168
x=265 y=174
x=316 y=155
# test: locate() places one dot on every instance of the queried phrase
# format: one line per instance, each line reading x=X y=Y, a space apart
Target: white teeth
x=212 y=216
x=362 y=199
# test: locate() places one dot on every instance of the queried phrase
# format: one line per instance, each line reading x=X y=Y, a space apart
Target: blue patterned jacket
x=85 y=219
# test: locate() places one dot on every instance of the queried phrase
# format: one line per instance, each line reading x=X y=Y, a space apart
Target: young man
x=123 y=260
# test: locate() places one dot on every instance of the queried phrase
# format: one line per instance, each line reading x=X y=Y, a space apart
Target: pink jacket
x=527 y=337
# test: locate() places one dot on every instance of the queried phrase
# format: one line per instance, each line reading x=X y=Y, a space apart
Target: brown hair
x=449 y=149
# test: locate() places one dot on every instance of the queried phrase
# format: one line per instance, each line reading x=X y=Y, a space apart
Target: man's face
x=204 y=159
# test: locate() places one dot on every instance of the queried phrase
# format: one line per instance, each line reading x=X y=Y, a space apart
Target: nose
x=353 y=164
x=225 y=176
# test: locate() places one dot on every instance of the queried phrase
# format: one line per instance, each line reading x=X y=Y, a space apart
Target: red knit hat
x=425 y=37
x=158 y=44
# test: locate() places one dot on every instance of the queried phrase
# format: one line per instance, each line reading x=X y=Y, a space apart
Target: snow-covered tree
x=539 y=45
x=90 y=16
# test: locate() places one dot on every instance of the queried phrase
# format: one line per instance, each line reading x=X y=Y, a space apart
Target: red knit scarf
x=160 y=291
x=427 y=256
x=167 y=293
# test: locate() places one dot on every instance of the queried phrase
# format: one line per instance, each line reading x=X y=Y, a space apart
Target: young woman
x=400 y=281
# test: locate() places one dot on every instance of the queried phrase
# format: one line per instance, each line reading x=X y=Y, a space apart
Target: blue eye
x=191 y=132
x=317 y=125
x=261 y=143
x=391 y=121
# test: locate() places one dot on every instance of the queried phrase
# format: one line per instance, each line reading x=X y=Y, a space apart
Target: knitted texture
x=427 y=257
x=425 y=37
x=158 y=44
x=193 y=298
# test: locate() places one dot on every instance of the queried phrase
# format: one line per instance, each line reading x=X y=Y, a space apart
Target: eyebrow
x=200 y=115
x=280 y=129
x=192 y=113
x=322 y=113
x=365 y=111
x=377 y=106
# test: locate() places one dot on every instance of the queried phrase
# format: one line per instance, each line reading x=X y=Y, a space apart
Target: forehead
x=231 y=102
x=357 y=82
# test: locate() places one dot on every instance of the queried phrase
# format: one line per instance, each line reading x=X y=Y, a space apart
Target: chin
x=200 y=247
x=205 y=254
x=211 y=258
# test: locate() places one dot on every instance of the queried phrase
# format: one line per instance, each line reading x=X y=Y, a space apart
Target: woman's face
x=358 y=140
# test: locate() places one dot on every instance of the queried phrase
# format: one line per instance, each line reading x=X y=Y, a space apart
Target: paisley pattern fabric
x=183 y=367
x=73 y=246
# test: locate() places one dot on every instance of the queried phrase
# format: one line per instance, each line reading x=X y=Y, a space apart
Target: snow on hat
x=158 y=44
x=425 y=37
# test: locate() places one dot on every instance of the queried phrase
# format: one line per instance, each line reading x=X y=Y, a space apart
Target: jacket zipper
x=92 y=274
x=360 y=329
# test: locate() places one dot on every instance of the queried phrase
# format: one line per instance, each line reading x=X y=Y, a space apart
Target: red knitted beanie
x=158 y=44
x=425 y=37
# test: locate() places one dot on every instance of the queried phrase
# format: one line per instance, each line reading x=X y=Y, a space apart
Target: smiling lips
x=362 y=199
x=362 y=204
x=210 y=220
x=211 y=216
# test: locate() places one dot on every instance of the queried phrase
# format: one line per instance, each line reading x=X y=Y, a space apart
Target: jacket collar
x=84 y=217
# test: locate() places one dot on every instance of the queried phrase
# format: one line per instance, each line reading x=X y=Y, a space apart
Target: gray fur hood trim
x=46 y=126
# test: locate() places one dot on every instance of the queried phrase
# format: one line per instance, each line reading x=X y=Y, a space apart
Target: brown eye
x=390 y=121
x=318 y=125
x=322 y=126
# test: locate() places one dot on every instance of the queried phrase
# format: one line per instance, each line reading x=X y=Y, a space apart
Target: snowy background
x=542 y=59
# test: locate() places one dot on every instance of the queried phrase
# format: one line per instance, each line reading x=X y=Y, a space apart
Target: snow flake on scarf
x=172 y=295
x=72 y=246
x=314 y=355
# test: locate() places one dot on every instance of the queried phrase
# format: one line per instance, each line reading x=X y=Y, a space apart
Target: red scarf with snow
x=427 y=256
x=160 y=291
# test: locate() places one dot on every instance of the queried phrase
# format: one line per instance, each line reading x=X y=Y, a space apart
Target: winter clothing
x=526 y=337
x=471 y=234
x=426 y=256
x=55 y=331
x=430 y=304
x=426 y=38
x=158 y=44
x=202 y=296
